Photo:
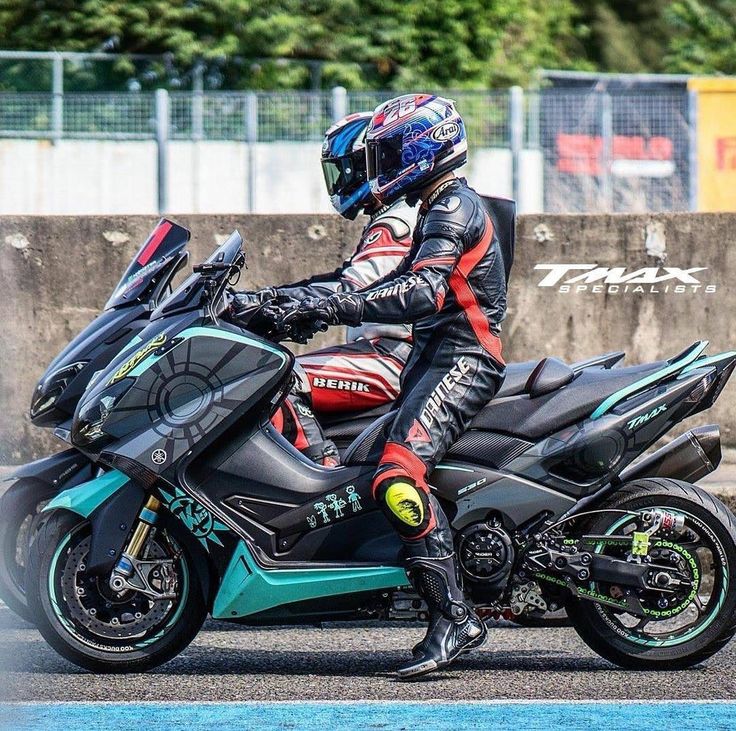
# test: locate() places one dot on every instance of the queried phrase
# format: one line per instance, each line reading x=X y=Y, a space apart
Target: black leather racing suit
x=452 y=286
x=363 y=373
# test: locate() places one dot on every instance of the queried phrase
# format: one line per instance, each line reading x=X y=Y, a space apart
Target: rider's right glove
x=337 y=309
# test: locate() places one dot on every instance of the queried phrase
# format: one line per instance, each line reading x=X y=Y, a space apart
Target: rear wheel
x=19 y=509
x=98 y=628
x=693 y=617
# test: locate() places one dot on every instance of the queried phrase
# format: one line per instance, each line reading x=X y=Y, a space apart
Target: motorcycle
x=141 y=289
x=206 y=508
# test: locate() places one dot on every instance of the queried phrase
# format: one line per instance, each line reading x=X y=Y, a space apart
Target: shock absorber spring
x=124 y=567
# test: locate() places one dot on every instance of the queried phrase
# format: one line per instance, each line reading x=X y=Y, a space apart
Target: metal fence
x=600 y=151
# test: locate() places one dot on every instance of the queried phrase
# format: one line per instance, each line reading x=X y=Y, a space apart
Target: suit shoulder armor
x=453 y=212
x=399 y=219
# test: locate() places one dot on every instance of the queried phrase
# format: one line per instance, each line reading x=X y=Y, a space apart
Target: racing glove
x=337 y=309
x=245 y=300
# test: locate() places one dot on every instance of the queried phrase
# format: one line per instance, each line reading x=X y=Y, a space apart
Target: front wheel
x=686 y=621
x=100 y=629
x=19 y=509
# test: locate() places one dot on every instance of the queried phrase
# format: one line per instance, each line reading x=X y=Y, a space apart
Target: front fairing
x=176 y=389
x=65 y=380
x=126 y=313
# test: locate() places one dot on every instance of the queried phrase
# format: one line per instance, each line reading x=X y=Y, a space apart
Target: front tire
x=682 y=633
x=95 y=628
x=19 y=508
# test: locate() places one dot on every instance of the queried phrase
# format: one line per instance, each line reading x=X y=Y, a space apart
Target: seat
x=346 y=425
x=548 y=375
x=532 y=418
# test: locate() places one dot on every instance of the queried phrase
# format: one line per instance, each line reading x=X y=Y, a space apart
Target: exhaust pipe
x=689 y=457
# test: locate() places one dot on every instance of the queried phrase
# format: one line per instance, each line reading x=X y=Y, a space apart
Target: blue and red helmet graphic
x=411 y=140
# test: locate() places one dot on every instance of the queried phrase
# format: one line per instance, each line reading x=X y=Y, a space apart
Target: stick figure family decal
x=336 y=503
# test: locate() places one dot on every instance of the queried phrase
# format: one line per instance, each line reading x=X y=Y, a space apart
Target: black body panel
x=111 y=525
x=67 y=469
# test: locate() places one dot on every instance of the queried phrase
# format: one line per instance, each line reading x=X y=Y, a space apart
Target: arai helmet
x=412 y=140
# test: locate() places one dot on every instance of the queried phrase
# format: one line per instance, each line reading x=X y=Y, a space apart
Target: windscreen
x=151 y=262
x=183 y=296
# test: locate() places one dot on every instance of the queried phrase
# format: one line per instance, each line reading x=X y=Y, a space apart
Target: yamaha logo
x=447 y=131
x=158 y=456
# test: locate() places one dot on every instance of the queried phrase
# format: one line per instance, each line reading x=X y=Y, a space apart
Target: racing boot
x=454 y=627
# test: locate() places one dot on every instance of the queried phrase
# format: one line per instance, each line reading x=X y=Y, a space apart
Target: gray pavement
x=346 y=662
x=342 y=662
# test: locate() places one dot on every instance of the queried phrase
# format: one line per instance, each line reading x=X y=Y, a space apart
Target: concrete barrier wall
x=111 y=177
x=649 y=285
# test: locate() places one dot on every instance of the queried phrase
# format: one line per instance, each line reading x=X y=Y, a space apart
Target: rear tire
x=53 y=580
x=19 y=508
x=593 y=621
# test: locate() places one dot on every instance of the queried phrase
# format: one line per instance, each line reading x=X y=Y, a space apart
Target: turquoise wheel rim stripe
x=695 y=631
x=70 y=627
x=669 y=370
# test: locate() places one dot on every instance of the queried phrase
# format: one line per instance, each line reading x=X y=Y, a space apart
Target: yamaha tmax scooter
x=205 y=508
x=143 y=286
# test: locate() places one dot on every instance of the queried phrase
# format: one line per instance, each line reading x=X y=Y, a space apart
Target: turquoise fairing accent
x=669 y=370
x=212 y=332
x=84 y=498
x=247 y=588
x=712 y=360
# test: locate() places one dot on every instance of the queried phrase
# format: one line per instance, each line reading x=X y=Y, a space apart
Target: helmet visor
x=344 y=174
x=384 y=156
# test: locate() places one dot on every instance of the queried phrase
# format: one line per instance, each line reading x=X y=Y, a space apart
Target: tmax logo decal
x=638 y=421
x=618 y=280
x=138 y=357
x=195 y=516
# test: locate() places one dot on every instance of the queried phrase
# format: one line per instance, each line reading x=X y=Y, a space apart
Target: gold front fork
x=146 y=519
x=124 y=568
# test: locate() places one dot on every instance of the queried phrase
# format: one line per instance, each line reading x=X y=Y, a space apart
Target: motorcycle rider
x=452 y=286
x=363 y=373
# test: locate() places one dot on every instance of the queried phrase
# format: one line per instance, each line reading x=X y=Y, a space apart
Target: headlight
x=52 y=386
x=89 y=422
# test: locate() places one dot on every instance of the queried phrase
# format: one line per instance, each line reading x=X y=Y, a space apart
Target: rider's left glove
x=242 y=301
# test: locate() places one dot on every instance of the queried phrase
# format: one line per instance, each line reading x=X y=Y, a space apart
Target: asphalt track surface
x=340 y=662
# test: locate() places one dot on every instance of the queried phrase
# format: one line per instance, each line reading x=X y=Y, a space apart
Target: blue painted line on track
x=348 y=716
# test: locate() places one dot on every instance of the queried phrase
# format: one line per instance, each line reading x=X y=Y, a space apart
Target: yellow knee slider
x=405 y=502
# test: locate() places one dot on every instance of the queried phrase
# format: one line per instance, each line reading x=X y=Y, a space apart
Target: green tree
x=374 y=42
x=704 y=37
